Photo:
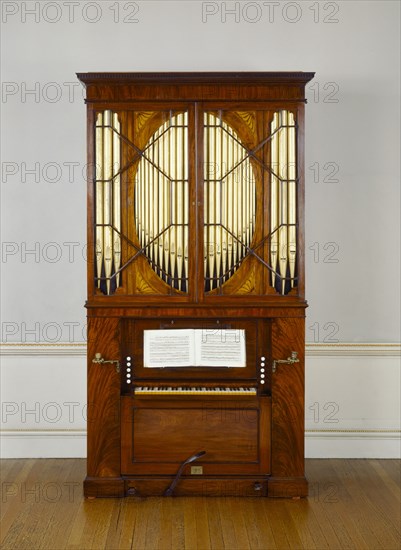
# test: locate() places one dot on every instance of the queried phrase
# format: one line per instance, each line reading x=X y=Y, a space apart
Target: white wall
x=352 y=122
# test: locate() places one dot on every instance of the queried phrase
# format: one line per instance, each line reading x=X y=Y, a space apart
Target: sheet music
x=220 y=348
x=194 y=348
x=168 y=348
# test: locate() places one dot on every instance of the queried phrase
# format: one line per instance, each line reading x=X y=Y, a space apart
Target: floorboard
x=353 y=504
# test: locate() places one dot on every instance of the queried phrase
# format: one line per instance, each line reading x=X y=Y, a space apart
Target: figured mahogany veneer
x=254 y=444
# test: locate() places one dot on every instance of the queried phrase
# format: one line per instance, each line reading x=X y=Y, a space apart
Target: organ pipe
x=99 y=233
x=108 y=199
x=292 y=210
x=274 y=183
x=229 y=197
x=283 y=194
x=162 y=201
x=116 y=197
x=162 y=204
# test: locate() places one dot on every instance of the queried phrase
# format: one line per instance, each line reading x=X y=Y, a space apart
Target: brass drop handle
x=289 y=360
x=100 y=360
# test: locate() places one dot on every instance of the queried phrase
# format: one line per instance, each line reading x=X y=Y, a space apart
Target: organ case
x=195 y=221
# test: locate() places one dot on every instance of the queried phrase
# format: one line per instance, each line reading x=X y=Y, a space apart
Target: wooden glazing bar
x=99 y=238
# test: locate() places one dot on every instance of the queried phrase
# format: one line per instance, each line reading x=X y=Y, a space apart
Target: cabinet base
x=104 y=487
x=287 y=487
x=263 y=486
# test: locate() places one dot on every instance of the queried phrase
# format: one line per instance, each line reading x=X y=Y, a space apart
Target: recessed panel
x=173 y=435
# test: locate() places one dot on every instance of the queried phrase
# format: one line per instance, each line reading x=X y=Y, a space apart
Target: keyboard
x=165 y=390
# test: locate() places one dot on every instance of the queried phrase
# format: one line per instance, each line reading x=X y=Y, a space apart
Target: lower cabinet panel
x=158 y=435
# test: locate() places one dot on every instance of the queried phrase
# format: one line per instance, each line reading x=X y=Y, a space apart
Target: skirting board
x=352 y=401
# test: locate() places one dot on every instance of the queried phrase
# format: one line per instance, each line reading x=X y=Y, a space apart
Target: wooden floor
x=352 y=504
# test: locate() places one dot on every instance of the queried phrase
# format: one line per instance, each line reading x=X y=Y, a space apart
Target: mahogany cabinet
x=196 y=221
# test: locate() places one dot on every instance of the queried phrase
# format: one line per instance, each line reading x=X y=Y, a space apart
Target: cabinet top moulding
x=196 y=86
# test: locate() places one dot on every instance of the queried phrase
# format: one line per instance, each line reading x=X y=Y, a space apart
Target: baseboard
x=353 y=444
x=43 y=444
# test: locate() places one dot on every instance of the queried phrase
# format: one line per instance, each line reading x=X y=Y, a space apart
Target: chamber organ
x=196 y=284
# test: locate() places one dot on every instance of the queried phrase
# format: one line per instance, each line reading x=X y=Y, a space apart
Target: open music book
x=194 y=348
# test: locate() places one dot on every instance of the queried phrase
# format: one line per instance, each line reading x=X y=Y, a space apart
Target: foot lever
x=169 y=491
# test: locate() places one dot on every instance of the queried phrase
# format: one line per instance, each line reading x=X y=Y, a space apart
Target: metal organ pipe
x=116 y=197
x=162 y=201
x=283 y=196
x=162 y=204
x=99 y=238
x=274 y=183
x=179 y=191
x=292 y=197
x=229 y=196
x=108 y=200
x=107 y=203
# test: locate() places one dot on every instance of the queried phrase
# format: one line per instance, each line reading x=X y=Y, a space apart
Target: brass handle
x=100 y=360
x=290 y=360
